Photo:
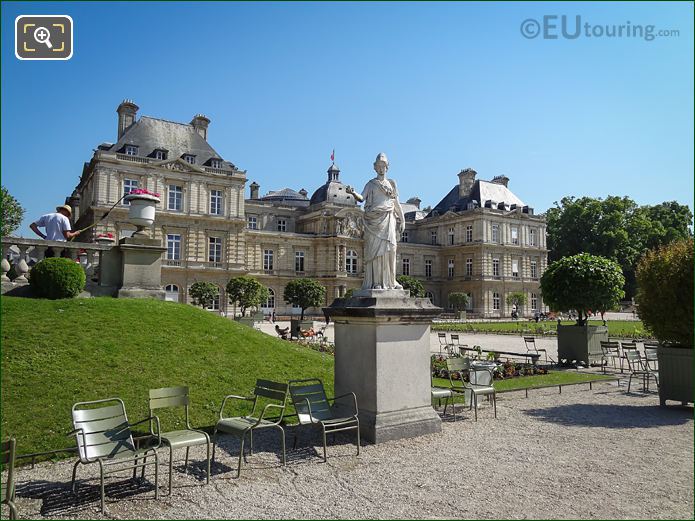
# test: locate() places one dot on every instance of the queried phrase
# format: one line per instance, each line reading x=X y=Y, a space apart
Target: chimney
x=254 y=190
x=500 y=180
x=303 y=192
x=466 y=180
x=414 y=200
x=126 y=115
x=200 y=123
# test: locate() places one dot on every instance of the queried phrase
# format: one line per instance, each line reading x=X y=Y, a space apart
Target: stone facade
x=480 y=239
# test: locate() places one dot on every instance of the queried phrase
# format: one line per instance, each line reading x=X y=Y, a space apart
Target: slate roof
x=481 y=192
x=286 y=196
x=177 y=139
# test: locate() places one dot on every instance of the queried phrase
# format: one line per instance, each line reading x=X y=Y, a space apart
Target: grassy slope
x=55 y=353
x=616 y=328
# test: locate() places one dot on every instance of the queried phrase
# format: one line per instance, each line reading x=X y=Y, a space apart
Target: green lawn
x=616 y=328
x=55 y=353
x=541 y=380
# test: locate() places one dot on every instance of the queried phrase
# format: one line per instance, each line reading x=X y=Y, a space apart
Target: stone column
x=141 y=274
x=382 y=354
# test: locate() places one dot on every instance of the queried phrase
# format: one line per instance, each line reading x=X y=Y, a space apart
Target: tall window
x=469 y=306
x=282 y=225
x=171 y=293
x=515 y=235
x=532 y=237
x=268 y=260
x=469 y=233
x=433 y=237
x=534 y=302
x=175 y=198
x=216 y=202
x=406 y=266
x=173 y=247
x=451 y=236
x=131 y=150
x=299 y=261
x=404 y=236
x=495 y=267
x=128 y=186
x=215 y=250
x=534 y=269
x=252 y=222
x=495 y=233
x=189 y=158
x=469 y=267
x=496 y=301
x=351 y=261
x=450 y=270
x=429 y=295
x=515 y=268
x=428 y=268
x=270 y=303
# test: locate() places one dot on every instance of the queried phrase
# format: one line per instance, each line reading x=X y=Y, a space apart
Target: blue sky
x=437 y=86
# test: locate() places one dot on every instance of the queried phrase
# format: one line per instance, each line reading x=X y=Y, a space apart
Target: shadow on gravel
x=58 y=499
x=613 y=416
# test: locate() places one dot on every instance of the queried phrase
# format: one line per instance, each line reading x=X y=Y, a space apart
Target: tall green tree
x=203 y=293
x=417 y=290
x=305 y=293
x=247 y=292
x=615 y=228
x=12 y=213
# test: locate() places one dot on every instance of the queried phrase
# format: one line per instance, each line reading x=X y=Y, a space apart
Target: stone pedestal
x=141 y=275
x=382 y=354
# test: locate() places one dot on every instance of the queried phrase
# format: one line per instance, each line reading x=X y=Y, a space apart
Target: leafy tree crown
x=12 y=213
x=458 y=300
x=247 y=292
x=416 y=288
x=305 y=293
x=203 y=293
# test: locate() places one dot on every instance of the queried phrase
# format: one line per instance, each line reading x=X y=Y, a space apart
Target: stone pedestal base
x=382 y=354
x=141 y=275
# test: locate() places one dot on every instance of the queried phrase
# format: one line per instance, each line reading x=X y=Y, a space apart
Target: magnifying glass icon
x=43 y=35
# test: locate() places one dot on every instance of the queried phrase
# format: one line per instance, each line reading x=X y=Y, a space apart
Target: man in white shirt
x=57 y=225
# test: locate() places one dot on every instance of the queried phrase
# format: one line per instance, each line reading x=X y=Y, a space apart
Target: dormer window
x=216 y=163
x=131 y=150
x=160 y=154
x=189 y=158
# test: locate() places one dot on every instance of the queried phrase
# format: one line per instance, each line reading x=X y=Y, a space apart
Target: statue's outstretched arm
x=351 y=191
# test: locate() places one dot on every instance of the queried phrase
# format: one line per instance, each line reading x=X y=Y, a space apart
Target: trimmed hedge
x=56 y=277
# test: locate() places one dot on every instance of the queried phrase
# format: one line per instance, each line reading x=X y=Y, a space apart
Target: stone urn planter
x=142 y=210
x=675 y=374
x=105 y=239
x=581 y=343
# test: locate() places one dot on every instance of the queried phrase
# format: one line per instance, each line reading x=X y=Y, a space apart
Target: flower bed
x=321 y=347
x=503 y=371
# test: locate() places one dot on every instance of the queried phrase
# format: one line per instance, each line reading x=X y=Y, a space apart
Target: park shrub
x=203 y=294
x=665 y=292
x=57 y=277
x=417 y=290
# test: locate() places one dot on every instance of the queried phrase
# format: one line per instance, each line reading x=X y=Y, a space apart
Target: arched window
x=429 y=295
x=270 y=303
x=171 y=292
x=351 y=261
x=215 y=303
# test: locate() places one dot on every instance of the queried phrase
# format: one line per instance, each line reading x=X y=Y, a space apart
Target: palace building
x=480 y=239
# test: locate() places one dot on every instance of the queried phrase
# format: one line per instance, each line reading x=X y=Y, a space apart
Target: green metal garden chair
x=480 y=381
x=611 y=351
x=315 y=408
x=103 y=437
x=640 y=369
x=8 y=489
x=240 y=426
x=168 y=397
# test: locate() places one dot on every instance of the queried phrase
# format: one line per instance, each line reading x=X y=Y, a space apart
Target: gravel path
x=597 y=454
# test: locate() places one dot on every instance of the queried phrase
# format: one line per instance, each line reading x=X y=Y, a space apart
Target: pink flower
x=143 y=191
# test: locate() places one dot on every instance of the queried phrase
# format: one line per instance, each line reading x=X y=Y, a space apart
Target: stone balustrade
x=24 y=253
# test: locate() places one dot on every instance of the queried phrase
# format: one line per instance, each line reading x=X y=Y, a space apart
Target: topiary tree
x=517 y=298
x=12 y=213
x=247 y=292
x=417 y=290
x=56 y=277
x=665 y=292
x=459 y=301
x=583 y=282
x=203 y=293
x=304 y=293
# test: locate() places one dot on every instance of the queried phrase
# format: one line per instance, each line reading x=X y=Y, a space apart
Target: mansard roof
x=150 y=134
x=481 y=192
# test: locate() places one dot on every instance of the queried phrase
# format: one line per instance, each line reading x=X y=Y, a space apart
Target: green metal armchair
x=103 y=437
x=314 y=408
x=240 y=426
x=8 y=489
x=480 y=381
x=168 y=397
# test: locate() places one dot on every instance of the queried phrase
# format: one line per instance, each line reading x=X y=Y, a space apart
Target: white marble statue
x=383 y=225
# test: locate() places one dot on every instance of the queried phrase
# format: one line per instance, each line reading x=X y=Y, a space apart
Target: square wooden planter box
x=581 y=343
x=675 y=374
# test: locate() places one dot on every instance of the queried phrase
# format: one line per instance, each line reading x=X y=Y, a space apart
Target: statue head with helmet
x=381 y=164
